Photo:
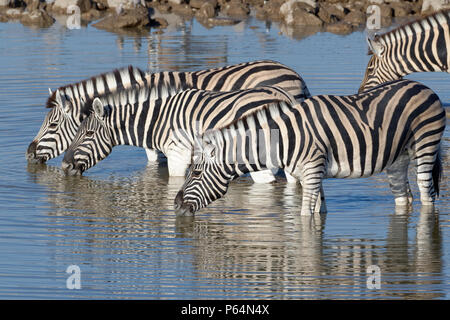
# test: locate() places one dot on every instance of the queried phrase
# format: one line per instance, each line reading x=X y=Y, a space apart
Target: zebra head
x=58 y=129
x=376 y=72
x=91 y=144
x=206 y=181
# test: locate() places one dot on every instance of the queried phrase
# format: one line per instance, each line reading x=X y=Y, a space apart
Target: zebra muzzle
x=182 y=208
x=31 y=155
x=71 y=169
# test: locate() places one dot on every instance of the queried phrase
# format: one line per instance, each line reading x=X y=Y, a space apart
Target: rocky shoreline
x=336 y=16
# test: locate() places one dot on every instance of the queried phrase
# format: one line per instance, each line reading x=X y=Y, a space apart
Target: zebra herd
x=258 y=117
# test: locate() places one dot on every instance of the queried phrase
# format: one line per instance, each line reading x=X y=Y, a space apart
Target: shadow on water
x=228 y=251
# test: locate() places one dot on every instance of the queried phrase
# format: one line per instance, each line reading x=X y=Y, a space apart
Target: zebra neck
x=133 y=124
x=249 y=150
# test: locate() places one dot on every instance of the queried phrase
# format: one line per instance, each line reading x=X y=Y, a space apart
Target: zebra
x=420 y=46
x=326 y=136
x=166 y=123
x=69 y=108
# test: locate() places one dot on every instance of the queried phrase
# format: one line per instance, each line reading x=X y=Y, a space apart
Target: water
x=117 y=222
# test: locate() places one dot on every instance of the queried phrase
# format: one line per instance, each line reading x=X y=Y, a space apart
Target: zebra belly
x=343 y=170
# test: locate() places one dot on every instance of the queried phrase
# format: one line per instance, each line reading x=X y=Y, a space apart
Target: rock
x=12 y=3
x=32 y=5
x=61 y=6
x=297 y=12
x=197 y=4
x=336 y=10
x=355 y=18
x=13 y=13
x=91 y=15
x=326 y=17
x=429 y=6
x=341 y=28
x=37 y=18
x=402 y=9
x=100 y=5
x=207 y=10
x=300 y=17
x=236 y=9
x=182 y=10
x=126 y=19
x=271 y=11
x=159 y=22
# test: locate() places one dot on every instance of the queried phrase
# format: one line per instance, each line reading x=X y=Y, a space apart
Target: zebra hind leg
x=429 y=169
x=398 y=180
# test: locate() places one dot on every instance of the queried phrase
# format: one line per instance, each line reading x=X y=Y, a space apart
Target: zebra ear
x=99 y=110
x=50 y=91
x=58 y=99
x=375 y=46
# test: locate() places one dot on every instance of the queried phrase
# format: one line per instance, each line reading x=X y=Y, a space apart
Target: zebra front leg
x=290 y=178
x=310 y=195
x=398 y=180
x=178 y=160
x=152 y=155
x=320 y=206
x=177 y=166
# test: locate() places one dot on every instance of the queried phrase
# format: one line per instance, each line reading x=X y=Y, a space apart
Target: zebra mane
x=133 y=94
x=418 y=21
x=116 y=73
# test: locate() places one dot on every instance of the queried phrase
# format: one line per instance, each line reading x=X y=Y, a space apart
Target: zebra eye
x=196 y=173
x=89 y=133
x=53 y=125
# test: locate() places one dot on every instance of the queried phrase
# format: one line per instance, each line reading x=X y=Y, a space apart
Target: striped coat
x=326 y=137
x=419 y=46
x=167 y=122
x=68 y=105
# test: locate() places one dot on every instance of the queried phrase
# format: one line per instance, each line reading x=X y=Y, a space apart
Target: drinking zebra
x=420 y=46
x=169 y=124
x=69 y=108
x=326 y=137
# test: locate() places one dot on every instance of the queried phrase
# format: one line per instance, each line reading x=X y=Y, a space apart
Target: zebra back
x=236 y=77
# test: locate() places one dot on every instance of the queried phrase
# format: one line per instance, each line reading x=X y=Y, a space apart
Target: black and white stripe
x=167 y=124
x=68 y=109
x=326 y=136
x=69 y=106
x=420 y=46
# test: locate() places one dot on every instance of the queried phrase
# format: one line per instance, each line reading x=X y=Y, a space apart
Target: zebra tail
x=437 y=172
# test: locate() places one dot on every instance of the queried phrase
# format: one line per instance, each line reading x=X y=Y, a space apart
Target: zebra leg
x=290 y=178
x=424 y=167
x=398 y=180
x=177 y=166
x=320 y=206
x=310 y=193
x=152 y=155
x=178 y=160
x=265 y=176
